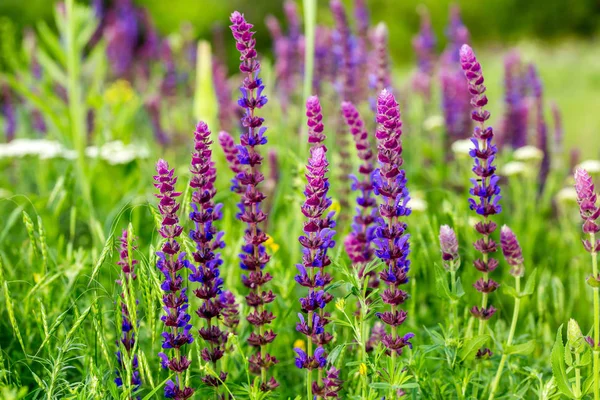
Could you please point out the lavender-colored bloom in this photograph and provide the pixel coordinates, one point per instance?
(449, 247)
(456, 104)
(38, 123)
(316, 241)
(152, 107)
(121, 32)
(558, 129)
(424, 46)
(168, 84)
(9, 114)
(516, 107)
(512, 251)
(391, 239)
(290, 9)
(485, 190)
(206, 258)
(325, 65)
(346, 45)
(332, 384)
(361, 55)
(587, 199)
(254, 256)
(127, 339)
(231, 155)
(170, 262)
(536, 89)
(227, 110)
(358, 242)
(230, 311)
(380, 68)
(457, 34)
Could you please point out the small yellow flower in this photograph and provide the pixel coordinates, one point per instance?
(299, 343)
(340, 304)
(119, 92)
(335, 206)
(271, 245)
(362, 369)
(36, 277)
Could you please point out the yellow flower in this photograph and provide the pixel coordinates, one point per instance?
(340, 304)
(299, 343)
(335, 206)
(362, 369)
(271, 245)
(36, 277)
(119, 92)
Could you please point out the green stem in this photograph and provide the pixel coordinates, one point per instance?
(309, 346)
(511, 334)
(577, 374)
(453, 308)
(596, 319)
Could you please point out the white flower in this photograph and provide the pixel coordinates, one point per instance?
(514, 168)
(528, 153)
(462, 147)
(434, 122)
(116, 152)
(42, 148)
(591, 166)
(417, 204)
(567, 195)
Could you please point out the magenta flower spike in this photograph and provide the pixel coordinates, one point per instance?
(391, 240)
(358, 243)
(170, 262)
(485, 190)
(253, 256)
(316, 240)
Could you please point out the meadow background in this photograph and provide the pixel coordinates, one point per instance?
(61, 217)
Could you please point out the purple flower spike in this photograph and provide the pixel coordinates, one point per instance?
(170, 262)
(227, 108)
(485, 186)
(127, 339)
(512, 251)
(517, 109)
(456, 103)
(254, 256)
(391, 239)
(316, 241)
(449, 246)
(536, 88)
(206, 258)
(9, 114)
(324, 61)
(587, 199)
(358, 242)
(424, 46)
(457, 34)
(380, 68)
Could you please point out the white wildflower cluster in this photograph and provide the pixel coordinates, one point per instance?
(115, 152)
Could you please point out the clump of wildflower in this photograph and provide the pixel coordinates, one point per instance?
(391, 239)
(170, 262)
(485, 190)
(253, 256)
(455, 104)
(127, 339)
(226, 106)
(231, 155)
(588, 209)
(316, 241)
(324, 62)
(206, 258)
(540, 123)
(358, 242)
(457, 34)
(380, 64)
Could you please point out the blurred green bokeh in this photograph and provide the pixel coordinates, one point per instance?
(488, 20)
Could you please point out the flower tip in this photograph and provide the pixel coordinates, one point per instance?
(466, 51)
(381, 30)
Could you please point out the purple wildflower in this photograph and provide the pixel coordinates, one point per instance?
(227, 112)
(153, 109)
(346, 45)
(230, 312)
(324, 62)
(456, 103)
(254, 256)
(485, 187)
(589, 211)
(290, 9)
(361, 55)
(121, 32)
(9, 114)
(558, 129)
(457, 34)
(424, 45)
(391, 239)
(449, 246)
(168, 84)
(380, 68)
(127, 339)
(541, 128)
(170, 262)
(517, 110)
(316, 241)
(512, 251)
(358, 242)
(207, 259)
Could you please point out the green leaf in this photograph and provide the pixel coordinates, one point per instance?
(530, 284)
(510, 291)
(152, 393)
(441, 283)
(593, 282)
(558, 365)
(523, 348)
(335, 353)
(471, 345)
